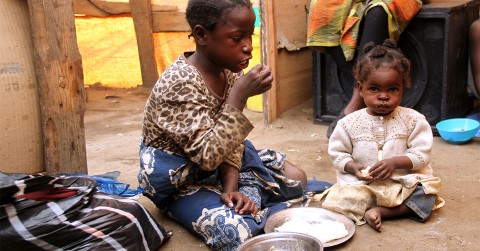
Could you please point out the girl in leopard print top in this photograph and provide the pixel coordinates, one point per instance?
(195, 161)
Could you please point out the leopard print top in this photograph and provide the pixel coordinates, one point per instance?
(183, 117)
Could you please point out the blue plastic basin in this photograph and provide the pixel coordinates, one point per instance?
(458, 130)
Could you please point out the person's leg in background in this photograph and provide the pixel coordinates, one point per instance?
(374, 28)
(475, 54)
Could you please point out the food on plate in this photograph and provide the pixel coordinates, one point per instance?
(323, 229)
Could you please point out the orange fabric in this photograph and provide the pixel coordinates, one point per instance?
(347, 37)
(404, 10)
(337, 22)
(322, 17)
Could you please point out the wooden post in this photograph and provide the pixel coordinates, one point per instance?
(142, 21)
(269, 57)
(59, 73)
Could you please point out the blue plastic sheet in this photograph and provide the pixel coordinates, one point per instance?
(108, 183)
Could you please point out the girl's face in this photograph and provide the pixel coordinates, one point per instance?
(229, 45)
(382, 91)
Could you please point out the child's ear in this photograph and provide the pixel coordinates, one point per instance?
(200, 34)
(360, 88)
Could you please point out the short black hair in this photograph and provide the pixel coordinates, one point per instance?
(208, 12)
(386, 54)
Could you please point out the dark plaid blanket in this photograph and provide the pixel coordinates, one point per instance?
(41, 212)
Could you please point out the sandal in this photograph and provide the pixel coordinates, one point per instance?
(332, 125)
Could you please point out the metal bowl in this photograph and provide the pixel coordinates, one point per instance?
(279, 241)
(310, 213)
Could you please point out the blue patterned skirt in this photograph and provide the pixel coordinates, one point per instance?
(191, 196)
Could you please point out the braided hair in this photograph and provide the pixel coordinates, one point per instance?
(386, 54)
(208, 12)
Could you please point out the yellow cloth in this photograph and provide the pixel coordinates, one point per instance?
(336, 22)
(354, 199)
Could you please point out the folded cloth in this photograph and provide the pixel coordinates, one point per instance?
(354, 199)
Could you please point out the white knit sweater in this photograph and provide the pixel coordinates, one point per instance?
(359, 136)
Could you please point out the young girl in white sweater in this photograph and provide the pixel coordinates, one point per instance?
(382, 152)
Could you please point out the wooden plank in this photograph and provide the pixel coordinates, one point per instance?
(269, 57)
(161, 7)
(285, 27)
(142, 21)
(105, 8)
(85, 7)
(60, 80)
(169, 21)
(291, 23)
(295, 78)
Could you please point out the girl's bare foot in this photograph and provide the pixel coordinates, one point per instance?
(374, 218)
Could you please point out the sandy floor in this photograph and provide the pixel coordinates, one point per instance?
(113, 123)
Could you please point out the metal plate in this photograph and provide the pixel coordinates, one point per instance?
(279, 218)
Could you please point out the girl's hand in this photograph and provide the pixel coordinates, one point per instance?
(356, 169)
(231, 195)
(383, 169)
(258, 80)
(244, 204)
(362, 173)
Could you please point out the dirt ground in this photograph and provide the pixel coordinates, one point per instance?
(112, 127)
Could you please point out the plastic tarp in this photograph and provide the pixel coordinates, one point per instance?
(40, 212)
